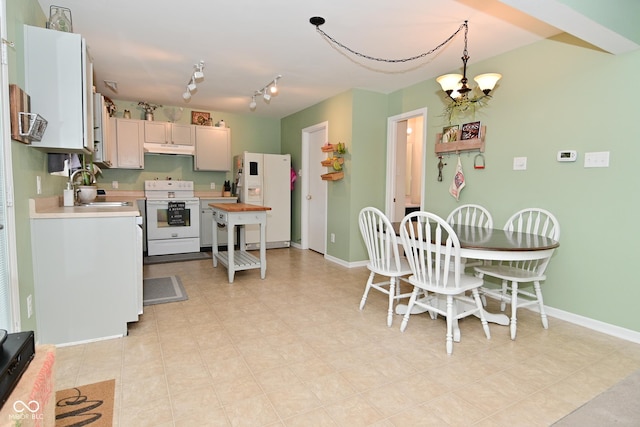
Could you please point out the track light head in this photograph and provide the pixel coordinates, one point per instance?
(252, 104)
(186, 95)
(192, 86)
(266, 96)
(199, 74)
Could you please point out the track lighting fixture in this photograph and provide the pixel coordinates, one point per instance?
(198, 74)
(268, 91)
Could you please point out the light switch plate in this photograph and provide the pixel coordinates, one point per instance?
(519, 163)
(598, 159)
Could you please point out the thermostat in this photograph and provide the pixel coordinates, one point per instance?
(567, 156)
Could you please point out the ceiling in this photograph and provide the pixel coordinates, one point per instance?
(150, 47)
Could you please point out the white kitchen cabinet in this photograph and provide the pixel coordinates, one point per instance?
(127, 140)
(213, 149)
(168, 133)
(87, 277)
(102, 151)
(206, 222)
(59, 80)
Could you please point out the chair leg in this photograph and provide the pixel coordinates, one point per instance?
(392, 293)
(514, 309)
(485, 325)
(483, 297)
(449, 324)
(543, 314)
(503, 302)
(366, 290)
(412, 301)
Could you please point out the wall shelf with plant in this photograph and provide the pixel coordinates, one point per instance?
(334, 160)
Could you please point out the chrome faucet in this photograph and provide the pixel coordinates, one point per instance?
(88, 171)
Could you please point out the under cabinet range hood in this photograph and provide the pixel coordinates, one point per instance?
(185, 150)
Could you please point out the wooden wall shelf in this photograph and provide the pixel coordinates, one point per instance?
(461, 145)
(333, 176)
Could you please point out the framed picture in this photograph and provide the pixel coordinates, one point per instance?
(450, 133)
(200, 118)
(470, 131)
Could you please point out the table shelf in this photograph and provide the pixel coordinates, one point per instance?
(242, 260)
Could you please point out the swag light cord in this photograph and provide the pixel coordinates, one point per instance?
(317, 21)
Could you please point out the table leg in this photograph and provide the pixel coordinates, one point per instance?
(230, 250)
(214, 245)
(263, 250)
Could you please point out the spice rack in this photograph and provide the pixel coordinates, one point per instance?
(331, 160)
(461, 145)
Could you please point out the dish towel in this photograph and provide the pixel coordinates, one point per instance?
(458, 181)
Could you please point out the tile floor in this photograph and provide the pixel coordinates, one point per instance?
(295, 350)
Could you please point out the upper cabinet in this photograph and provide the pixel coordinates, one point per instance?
(127, 141)
(102, 152)
(167, 133)
(213, 149)
(59, 80)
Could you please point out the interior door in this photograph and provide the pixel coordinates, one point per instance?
(316, 196)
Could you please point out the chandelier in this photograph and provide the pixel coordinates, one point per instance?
(454, 85)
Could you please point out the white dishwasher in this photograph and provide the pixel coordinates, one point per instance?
(206, 221)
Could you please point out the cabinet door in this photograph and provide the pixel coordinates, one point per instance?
(129, 137)
(155, 132)
(182, 134)
(58, 78)
(213, 149)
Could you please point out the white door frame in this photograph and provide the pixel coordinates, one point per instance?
(304, 188)
(7, 181)
(392, 135)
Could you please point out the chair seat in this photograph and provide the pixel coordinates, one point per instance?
(404, 269)
(467, 282)
(511, 274)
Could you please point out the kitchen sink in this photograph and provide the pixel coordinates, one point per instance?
(106, 204)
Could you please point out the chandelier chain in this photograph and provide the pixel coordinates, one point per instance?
(412, 58)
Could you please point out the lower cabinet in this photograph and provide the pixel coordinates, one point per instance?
(87, 277)
(206, 222)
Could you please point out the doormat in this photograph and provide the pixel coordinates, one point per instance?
(161, 259)
(87, 405)
(161, 290)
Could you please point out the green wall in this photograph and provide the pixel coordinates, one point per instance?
(556, 94)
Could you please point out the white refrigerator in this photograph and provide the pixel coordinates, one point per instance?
(265, 180)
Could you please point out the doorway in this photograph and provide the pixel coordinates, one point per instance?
(314, 189)
(406, 163)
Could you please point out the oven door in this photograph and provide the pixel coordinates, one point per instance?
(173, 219)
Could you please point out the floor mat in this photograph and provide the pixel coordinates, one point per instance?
(86, 405)
(160, 290)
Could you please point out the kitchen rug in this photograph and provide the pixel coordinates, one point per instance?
(161, 259)
(87, 405)
(160, 290)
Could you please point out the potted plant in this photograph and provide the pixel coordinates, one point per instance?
(84, 180)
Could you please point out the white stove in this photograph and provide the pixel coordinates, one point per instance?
(173, 217)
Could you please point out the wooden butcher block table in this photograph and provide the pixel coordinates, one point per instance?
(239, 214)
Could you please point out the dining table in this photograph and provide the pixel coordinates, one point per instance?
(492, 244)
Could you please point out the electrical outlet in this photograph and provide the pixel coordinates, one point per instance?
(519, 163)
(333, 238)
(38, 184)
(29, 306)
(114, 184)
(213, 185)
